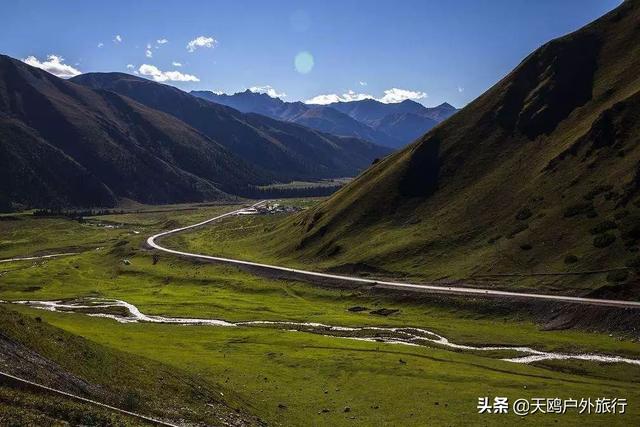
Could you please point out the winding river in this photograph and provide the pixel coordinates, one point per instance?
(124, 312)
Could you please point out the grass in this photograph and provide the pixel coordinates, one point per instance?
(23, 407)
(106, 374)
(24, 235)
(290, 378)
(308, 184)
(308, 373)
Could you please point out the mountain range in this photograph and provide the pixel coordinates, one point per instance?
(541, 173)
(389, 124)
(62, 144)
(285, 151)
(102, 137)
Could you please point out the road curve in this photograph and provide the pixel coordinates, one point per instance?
(451, 290)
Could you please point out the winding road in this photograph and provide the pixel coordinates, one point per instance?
(381, 284)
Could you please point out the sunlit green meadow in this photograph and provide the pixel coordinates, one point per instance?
(296, 378)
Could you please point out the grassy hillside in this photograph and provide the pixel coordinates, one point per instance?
(539, 174)
(20, 407)
(284, 151)
(35, 350)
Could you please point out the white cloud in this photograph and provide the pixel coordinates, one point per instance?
(268, 90)
(148, 53)
(176, 64)
(117, 38)
(361, 83)
(130, 67)
(162, 76)
(201, 41)
(394, 95)
(100, 44)
(460, 89)
(391, 96)
(162, 41)
(54, 64)
(333, 97)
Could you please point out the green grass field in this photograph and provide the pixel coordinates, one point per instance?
(297, 378)
(308, 184)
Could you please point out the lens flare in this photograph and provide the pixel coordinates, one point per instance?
(303, 62)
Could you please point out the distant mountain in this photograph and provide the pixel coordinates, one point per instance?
(62, 144)
(440, 112)
(370, 111)
(539, 174)
(284, 151)
(252, 102)
(361, 119)
(322, 118)
(404, 126)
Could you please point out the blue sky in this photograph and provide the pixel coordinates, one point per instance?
(434, 51)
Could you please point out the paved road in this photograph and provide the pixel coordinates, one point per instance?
(451, 290)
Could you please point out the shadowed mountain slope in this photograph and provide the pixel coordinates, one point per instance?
(65, 145)
(284, 151)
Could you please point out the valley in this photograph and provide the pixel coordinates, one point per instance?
(309, 371)
(183, 244)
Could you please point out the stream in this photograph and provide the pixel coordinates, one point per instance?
(124, 312)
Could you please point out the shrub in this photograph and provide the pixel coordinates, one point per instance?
(586, 208)
(570, 259)
(526, 247)
(603, 227)
(131, 400)
(604, 240)
(617, 276)
(612, 195)
(598, 190)
(494, 239)
(524, 213)
(518, 229)
(621, 214)
(634, 263)
(631, 228)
